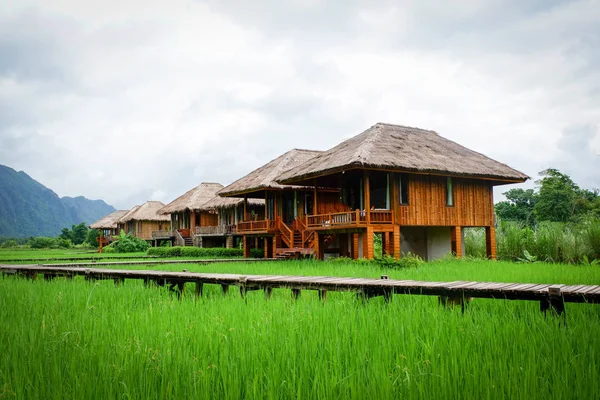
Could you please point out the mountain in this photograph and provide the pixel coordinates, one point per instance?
(28, 208)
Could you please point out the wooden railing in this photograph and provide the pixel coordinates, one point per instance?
(185, 232)
(355, 217)
(161, 234)
(287, 235)
(216, 230)
(178, 238)
(308, 235)
(256, 226)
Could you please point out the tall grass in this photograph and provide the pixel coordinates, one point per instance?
(549, 241)
(77, 339)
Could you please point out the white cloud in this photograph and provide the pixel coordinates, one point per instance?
(135, 100)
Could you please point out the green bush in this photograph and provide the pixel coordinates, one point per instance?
(9, 244)
(129, 244)
(64, 243)
(201, 252)
(42, 242)
(257, 253)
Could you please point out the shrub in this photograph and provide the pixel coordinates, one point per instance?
(42, 242)
(64, 243)
(257, 253)
(9, 244)
(129, 244)
(204, 252)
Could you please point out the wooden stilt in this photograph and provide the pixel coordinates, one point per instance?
(295, 294)
(268, 292)
(323, 295)
(199, 289)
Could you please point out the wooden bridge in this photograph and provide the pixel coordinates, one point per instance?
(549, 295)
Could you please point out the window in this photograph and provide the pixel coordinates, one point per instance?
(403, 189)
(449, 192)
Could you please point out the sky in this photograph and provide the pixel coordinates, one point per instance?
(129, 101)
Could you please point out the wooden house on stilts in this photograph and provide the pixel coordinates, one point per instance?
(107, 227)
(187, 215)
(142, 220)
(415, 188)
(281, 229)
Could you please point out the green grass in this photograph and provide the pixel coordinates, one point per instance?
(77, 339)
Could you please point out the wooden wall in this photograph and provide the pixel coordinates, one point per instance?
(473, 202)
(329, 202)
(148, 226)
(209, 219)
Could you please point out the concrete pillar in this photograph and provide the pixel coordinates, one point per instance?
(490, 242)
(456, 241)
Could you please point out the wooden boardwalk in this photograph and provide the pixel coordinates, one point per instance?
(550, 295)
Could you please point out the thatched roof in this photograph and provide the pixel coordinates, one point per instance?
(230, 202)
(193, 199)
(110, 221)
(394, 147)
(146, 212)
(264, 177)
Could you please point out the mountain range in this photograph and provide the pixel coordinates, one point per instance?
(28, 208)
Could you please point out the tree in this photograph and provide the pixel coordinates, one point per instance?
(519, 206)
(80, 233)
(92, 237)
(66, 234)
(556, 197)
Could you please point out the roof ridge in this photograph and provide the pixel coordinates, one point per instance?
(406, 126)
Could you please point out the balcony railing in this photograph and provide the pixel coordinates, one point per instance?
(350, 218)
(266, 225)
(216, 230)
(161, 234)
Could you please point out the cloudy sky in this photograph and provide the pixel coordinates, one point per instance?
(129, 101)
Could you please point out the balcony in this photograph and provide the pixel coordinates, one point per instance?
(216, 230)
(350, 219)
(264, 226)
(161, 234)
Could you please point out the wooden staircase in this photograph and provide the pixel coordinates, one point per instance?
(188, 241)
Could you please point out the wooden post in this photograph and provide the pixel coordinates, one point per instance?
(295, 294)
(225, 289)
(367, 194)
(490, 242)
(385, 243)
(355, 246)
(268, 292)
(317, 246)
(245, 207)
(395, 242)
(456, 241)
(368, 250)
(323, 295)
(199, 289)
(246, 246)
(315, 209)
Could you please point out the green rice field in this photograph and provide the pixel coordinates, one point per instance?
(78, 339)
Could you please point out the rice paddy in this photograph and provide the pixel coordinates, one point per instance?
(77, 339)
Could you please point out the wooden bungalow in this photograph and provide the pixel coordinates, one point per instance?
(187, 216)
(412, 186)
(280, 228)
(142, 220)
(107, 227)
(229, 211)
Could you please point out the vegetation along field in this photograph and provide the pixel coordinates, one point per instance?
(77, 339)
